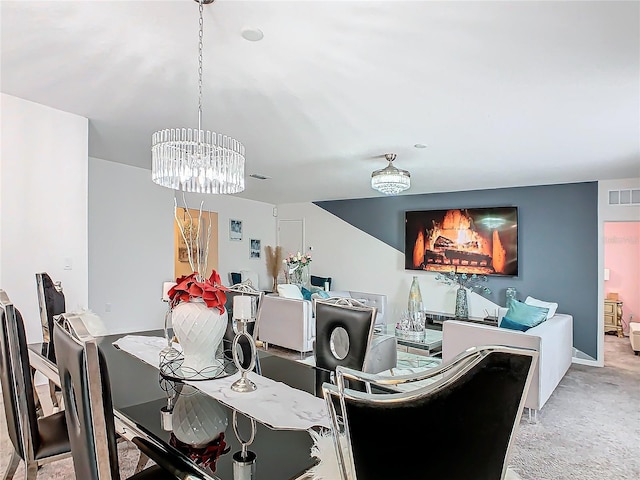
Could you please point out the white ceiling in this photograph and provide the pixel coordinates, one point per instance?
(502, 93)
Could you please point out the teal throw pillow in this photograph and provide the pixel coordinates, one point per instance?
(511, 325)
(527, 315)
(306, 294)
(323, 294)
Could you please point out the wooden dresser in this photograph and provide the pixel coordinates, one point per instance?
(613, 316)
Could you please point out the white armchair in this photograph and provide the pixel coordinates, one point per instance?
(287, 322)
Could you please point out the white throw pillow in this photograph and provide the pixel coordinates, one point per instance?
(552, 306)
(288, 290)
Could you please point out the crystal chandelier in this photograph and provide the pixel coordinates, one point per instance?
(199, 160)
(390, 180)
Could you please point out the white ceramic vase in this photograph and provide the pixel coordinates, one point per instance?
(199, 330)
(197, 418)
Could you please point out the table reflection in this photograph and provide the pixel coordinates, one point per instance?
(197, 423)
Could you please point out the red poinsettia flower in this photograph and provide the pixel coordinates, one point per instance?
(206, 455)
(210, 290)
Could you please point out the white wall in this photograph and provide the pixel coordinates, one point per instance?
(617, 213)
(43, 201)
(358, 261)
(258, 223)
(131, 242)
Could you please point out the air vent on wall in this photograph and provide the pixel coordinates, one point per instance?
(624, 197)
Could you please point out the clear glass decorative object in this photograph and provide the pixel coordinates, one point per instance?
(300, 276)
(511, 294)
(411, 325)
(415, 297)
(462, 307)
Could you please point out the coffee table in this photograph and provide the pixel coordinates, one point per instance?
(428, 344)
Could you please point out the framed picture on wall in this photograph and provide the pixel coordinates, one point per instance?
(254, 249)
(235, 229)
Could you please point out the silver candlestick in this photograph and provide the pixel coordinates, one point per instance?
(243, 314)
(244, 461)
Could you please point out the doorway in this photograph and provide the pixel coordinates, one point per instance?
(204, 251)
(621, 286)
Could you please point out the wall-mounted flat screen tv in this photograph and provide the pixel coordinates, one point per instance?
(464, 240)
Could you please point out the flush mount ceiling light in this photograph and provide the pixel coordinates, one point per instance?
(390, 180)
(196, 160)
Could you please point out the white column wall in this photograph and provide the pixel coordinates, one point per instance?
(131, 242)
(360, 262)
(43, 201)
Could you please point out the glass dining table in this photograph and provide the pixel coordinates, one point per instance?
(141, 397)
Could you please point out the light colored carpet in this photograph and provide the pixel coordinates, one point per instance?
(589, 429)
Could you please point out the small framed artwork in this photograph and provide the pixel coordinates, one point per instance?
(254, 251)
(235, 229)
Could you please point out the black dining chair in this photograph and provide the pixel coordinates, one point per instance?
(471, 405)
(320, 281)
(89, 412)
(51, 302)
(344, 331)
(235, 278)
(230, 333)
(36, 441)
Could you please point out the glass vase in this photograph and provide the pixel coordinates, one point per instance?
(511, 294)
(462, 307)
(300, 277)
(415, 297)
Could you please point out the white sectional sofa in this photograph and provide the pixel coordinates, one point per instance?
(553, 339)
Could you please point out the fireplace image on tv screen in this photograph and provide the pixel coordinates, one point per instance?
(472, 240)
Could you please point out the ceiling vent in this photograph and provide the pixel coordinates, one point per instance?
(624, 197)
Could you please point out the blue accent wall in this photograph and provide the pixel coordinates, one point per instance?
(557, 242)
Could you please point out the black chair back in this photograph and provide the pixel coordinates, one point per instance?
(344, 329)
(235, 278)
(87, 396)
(320, 281)
(51, 302)
(472, 412)
(17, 385)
